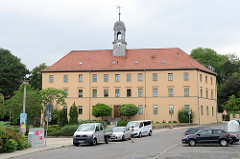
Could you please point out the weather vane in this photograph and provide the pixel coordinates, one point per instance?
(119, 11)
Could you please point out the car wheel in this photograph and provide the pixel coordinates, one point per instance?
(123, 138)
(94, 142)
(150, 133)
(192, 142)
(76, 144)
(140, 135)
(223, 142)
(106, 140)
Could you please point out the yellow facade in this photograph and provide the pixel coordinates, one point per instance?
(202, 92)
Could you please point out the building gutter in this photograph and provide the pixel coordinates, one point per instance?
(198, 99)
(89, 96)
(145, 115)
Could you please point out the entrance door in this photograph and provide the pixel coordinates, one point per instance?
(116, 112)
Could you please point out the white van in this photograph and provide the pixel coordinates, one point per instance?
(141, 127)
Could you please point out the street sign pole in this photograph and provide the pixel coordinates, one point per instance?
(189, 113)
(48, 118)
(171, 118)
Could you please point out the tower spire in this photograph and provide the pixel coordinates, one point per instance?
(119, 11)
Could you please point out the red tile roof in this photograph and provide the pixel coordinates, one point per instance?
(135, 59)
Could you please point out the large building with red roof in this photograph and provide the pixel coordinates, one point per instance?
(155, 80)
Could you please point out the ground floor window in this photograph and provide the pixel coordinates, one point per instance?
(155, 109)
(79, 110)
(186, 107)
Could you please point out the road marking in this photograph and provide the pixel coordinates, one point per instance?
(166, 150)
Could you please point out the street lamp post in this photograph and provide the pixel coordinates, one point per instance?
(24, 96)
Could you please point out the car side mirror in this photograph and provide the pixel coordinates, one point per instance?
(198, 134)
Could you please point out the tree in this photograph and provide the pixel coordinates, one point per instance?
(101, 110)
(52, 95)
(73, 114)
(3, 110)
(33, 105)
(63, 120)
(35, 78)
(233, 104)
(12, 73)
(128, 110)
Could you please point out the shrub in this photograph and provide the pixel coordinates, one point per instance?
(22, 143)
(128, 110)
(183, 116)
(67, 130)
(10, 145)
(63, 120)
(73, 113)
(101, 110)
(174, 121)
(52, 128)
(163, 121)
(122, 123)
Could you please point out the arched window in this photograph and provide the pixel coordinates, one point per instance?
(119, 36)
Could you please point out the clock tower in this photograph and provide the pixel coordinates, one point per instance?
(119, 44)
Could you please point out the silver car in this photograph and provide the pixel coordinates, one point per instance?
(120, 133)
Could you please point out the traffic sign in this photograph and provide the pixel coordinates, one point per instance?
(225, 112)
(48, 118)
(49, 108)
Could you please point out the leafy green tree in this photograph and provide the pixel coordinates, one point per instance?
(12, 73)
(233, 104)
(128, 110)
(52, 95)
(3, 110)
(183, 116)
(33, 105)
(101, 110)
(55, 114)
(63, 120)
(35, 78)
(73, 114)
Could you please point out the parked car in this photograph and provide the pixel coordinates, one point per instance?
(120, 133)
(142, 127)
(92, 133)
(234, 138)
(193, 130)
(207, 136)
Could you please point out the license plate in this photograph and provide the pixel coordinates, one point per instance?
(80, 141)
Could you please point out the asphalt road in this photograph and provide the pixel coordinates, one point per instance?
(164, 143)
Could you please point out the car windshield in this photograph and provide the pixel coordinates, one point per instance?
(192, 130)
(134, 124)
(118, 129)
(86, 128)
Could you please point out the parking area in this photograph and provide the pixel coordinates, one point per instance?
(202, 151)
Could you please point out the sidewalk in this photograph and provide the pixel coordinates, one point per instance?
(52, 143)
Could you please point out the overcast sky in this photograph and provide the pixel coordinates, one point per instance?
(39, 31)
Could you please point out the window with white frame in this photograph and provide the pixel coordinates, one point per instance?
(51, 78)
(66, 91)
(128, 77)
(105, 77)
(170, 77)
(80, 111)
(186, 107)
(117, 76)
(155, 76)
(170, 92)
(65, 77)
(105, 92)
(140, 92)
(94, 78)
(94, 95)
(80, 93)
(140, 109)
(155, 92)
(155, 109)
(80, 78)
(139, 77)
(185, 76)
(117, 93)
(186, 92)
